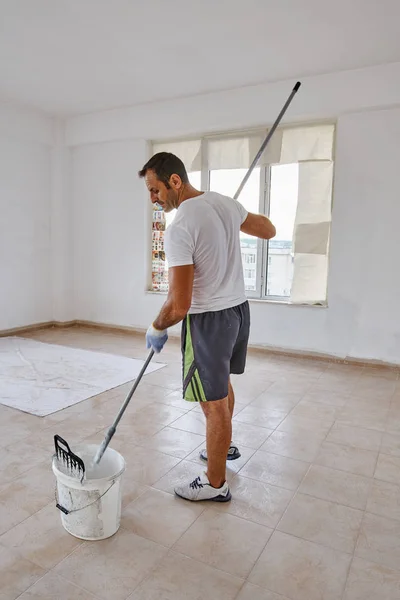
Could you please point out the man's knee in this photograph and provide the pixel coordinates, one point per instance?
(216, 407)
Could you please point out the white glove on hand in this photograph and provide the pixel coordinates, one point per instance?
(156, 339)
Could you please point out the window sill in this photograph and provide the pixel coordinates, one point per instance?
(286, 302)
(262, 301)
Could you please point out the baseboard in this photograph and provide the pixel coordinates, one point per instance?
(275, 351)
(26, 329)
(331, 358)
(36, 327)
(114, 328)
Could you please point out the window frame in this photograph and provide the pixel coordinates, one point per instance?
(261, 291)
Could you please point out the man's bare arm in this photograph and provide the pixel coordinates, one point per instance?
(258, 226)
(179, 297)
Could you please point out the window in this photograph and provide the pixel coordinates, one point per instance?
(292, 184)
(248, 258)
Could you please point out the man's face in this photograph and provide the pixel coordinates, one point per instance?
(168, 199)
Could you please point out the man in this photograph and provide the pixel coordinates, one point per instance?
(207, 293)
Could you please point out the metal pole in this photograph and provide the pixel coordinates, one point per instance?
(265, 142)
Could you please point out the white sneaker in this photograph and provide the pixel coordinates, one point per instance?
(201, 489)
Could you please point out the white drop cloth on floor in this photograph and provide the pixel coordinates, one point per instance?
(41, 378)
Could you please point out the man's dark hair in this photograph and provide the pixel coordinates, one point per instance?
(165, 164)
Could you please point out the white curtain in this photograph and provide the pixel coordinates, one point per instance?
(312, 148)
(307, 143)
(189, 151)
(239, 152)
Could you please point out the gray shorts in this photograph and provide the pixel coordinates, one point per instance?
(214, 345)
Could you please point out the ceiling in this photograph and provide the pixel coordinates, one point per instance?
(76, 56)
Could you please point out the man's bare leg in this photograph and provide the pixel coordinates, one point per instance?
(219, 433)
(231, 398)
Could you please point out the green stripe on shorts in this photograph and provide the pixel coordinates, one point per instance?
(194, 390)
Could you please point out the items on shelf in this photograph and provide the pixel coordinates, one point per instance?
(159, 269)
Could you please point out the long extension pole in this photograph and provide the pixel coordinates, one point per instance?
(266, 141)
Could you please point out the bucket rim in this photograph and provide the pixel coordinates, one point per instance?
(117, 475)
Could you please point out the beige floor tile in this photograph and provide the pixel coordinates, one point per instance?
(146, 466)
(369, 581)
(384, 500)
(136, 432)
(366, 404)
(131, 490)
(315, 410)
(160, 517)
(379, 541)
(194, 422)
(322, 522)
(391, 444)
(249, 387)
(53, 587)
(41, 538)
(25, 496)
(224, 542)
(232, 466)
(175, 398)
(301, 445)
(355, 437)
(333, 388)
(337, 486)
(291, 383)
(175, 442)
(19, 458)
(250, 436)
(301, 570)
(293, 424)
(156, 412)
(254, 592)
(347, 458)
(382, 373)
(170, 377)
(15, 431)
(325, 396)
(363, 417)
(375, 388)
(256, 501)
(8, 415)
(284, 401)
(275, 470)
(388, 468)
(99, 436)
(73, 430)
(268, 418)
(180, 578)
(112, 568)
(393, 421)
(146, 391)
(16, 574)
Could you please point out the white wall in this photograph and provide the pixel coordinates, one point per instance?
(25, 202)
(110, 210)
(110, 226)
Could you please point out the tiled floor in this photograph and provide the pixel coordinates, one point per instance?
(315, 513)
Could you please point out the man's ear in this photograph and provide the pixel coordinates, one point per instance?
(175, 182)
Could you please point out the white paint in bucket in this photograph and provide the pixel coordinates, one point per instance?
(94, 506)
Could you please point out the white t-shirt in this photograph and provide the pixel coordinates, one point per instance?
(205, 232)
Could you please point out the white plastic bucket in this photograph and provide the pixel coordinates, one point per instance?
(91, 510)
